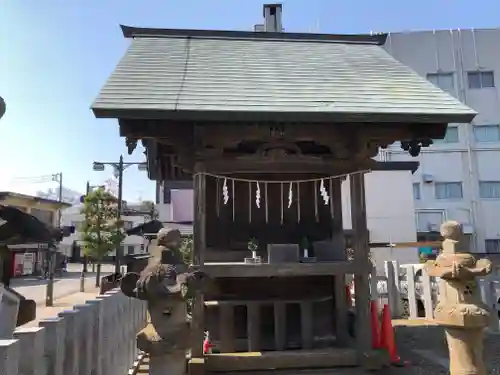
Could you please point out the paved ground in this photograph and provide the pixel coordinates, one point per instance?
(66, 290)
(35, 288)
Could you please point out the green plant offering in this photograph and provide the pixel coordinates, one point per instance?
(253, 244)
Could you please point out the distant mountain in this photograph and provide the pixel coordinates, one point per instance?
(68, 195)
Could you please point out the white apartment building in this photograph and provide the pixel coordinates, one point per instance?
(131, 244)
(459, 177)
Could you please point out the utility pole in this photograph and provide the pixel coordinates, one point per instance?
(84, 257)
(52, 251)
(118, 169)
(99, 260)
(119, 247)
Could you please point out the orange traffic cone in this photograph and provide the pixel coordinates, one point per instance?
(376, 338)
(388, 340)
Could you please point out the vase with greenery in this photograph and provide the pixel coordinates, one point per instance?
(253, 246)
(304, 246)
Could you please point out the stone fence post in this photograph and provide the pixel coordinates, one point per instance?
(94, 338)
(9, 308)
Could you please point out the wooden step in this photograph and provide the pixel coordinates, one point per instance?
(296, 359)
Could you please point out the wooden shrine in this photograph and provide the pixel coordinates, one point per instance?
(268, 125)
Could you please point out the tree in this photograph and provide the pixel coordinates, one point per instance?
(101, 231)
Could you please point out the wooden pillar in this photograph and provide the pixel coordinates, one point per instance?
(199, 245)
(280, 325)
(306, 324)
(361, 260)
(338, 239)
(226, 327)
(253, 326)
(337, 223)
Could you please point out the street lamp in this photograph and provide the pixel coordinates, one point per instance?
(119, 167)
(3, 107)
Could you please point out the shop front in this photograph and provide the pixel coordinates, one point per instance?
(28, 259)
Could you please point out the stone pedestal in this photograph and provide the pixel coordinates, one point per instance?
(466, 351)
(460, 309)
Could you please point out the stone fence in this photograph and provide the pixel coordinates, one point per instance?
(412, 293)
(94, 338)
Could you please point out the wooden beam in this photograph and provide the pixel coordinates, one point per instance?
(361, 253)
(217, 270)
(338, 237)
(199, 246)
(293, 165)
(341, 309)
(288, 359)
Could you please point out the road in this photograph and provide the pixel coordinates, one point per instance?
(35, 288)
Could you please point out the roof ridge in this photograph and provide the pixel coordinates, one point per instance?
(142, 32)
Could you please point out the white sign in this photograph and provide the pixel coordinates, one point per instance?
(28, 263)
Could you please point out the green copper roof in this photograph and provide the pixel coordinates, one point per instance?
(176, 73)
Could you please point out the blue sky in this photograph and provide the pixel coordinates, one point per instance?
(56, 54)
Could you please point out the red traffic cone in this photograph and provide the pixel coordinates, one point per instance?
(376, 338)
(388, 340)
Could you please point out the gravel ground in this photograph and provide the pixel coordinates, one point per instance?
(412, 340)
(431, 339)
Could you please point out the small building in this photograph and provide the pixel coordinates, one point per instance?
(28, 257)
(268, 125)
(71, 247)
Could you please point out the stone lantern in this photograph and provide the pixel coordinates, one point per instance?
(460, 309)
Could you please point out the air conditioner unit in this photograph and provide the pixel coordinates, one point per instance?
(467, 228)
(428, 178)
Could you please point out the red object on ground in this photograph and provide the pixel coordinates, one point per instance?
(376, 338)
(388, 340)
(207, 346)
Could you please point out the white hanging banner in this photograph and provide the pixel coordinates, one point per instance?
(323, 192)
(225, 192)
(257, 195)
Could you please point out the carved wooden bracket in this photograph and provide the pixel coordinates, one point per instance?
(131, 144)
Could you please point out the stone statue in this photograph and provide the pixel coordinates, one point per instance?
(166, 283)
(460, 309)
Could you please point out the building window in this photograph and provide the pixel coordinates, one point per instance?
(486, 133)
(451, 136)
(492, 246)
(416, 191)
(130, 249)
(448, 190)
(481, 80)
(445, 81)
(489, 189)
